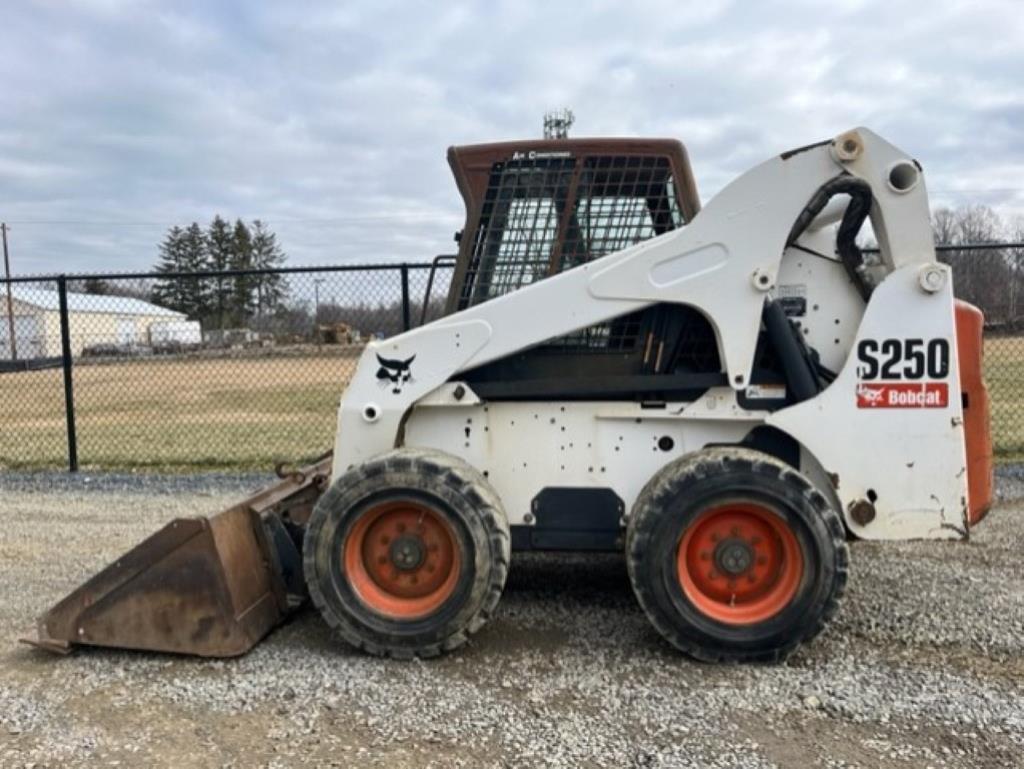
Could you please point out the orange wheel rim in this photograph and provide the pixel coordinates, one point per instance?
(739, 563)
(402, 559)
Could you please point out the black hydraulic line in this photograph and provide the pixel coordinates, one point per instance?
(793, 355)
(846, 239)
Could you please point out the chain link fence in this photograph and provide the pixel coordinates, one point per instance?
(193, 371)
(992, 278)
(235, 370)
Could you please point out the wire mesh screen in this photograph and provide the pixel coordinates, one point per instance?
(229, 371)
(542, 215)
(518, 224)
(620, 202)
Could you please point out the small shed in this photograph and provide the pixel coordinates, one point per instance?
(93, 319)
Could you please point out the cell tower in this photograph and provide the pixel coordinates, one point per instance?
(557, 123)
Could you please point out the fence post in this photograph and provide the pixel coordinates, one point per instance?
(406, 311)
(69, 393)
(10, 300)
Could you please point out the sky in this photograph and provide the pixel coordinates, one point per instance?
(330, 121)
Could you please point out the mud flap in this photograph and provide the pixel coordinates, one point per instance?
(212, 587)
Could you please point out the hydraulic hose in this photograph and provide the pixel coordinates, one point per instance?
(846, 239)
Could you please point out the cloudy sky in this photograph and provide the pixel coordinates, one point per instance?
(331, 120)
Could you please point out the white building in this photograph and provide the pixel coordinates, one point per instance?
(93, 320)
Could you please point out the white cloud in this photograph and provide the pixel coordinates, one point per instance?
(331, 122)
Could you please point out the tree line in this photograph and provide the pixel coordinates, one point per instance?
(991, 279)
(224, 301)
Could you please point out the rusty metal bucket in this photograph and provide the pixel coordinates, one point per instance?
(212, 587)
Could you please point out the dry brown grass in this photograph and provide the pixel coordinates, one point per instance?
(1004, 375)
(236, 412)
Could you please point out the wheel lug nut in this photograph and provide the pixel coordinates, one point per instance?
(715, 536)
(382, 559)
(705, 555)
(735, 531)
(385, 539)
(712, 575)
(761, 560)
(751, 578)
(755, 541)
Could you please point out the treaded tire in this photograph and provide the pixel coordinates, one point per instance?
(676, 498)
(457, 492)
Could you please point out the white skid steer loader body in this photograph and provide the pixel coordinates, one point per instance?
(888, 432)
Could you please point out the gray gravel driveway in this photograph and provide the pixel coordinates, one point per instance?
(924, 665)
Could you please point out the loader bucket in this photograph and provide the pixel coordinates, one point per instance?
(213, 587)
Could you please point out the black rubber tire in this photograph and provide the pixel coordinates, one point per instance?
(475, 514)
(673, 499)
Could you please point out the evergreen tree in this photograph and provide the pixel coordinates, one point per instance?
(243, 297)
(271, 290)
(220, 246)
(222, 301)
(95, 286)
(171, 292)
(182, 250)
(195, 258)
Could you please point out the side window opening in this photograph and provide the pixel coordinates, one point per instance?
(523, 252)
(518, 230)
(610, 223)
(544, 215)
(620, 201)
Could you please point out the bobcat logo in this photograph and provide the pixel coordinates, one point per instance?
(394, 373)
(869, 396)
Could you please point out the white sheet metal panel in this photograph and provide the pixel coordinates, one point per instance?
(882, 438)
(526, 447)
(832, 306)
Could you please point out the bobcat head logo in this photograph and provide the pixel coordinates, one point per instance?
(394, 373)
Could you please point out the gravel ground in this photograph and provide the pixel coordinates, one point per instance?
(924, 666)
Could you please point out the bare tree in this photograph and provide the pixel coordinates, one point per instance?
(1015, 262)
(985, 277)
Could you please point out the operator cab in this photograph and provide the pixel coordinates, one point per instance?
(535, 208)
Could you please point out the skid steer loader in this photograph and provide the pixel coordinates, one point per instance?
(726, 395)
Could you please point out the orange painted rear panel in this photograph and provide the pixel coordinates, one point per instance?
(977, 427)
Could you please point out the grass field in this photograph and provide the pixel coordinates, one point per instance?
(244, 413)
(177, 414)
(1004, 375)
